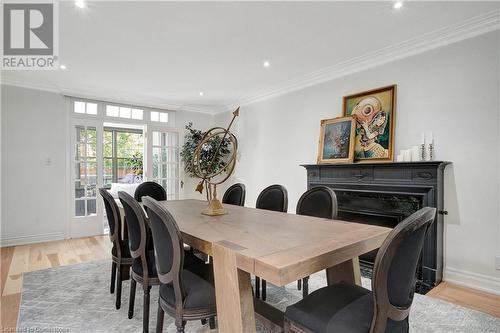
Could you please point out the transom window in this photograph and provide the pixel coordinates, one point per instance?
(161, 117)
(124, 112)
(85, 108)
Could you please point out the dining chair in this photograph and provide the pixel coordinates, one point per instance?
(183, 295)
(143, 264)
(120, 253)
(235, 195)
(319, 201)
(344, 307)
(274, 197)
(152, 189)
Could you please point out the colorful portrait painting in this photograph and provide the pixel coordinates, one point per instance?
(374, 113)
(336, 141)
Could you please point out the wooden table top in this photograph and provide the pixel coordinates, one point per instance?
(278, 247)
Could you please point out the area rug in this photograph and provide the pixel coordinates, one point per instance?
(76, 299)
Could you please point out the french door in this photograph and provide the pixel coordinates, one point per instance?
(163, 159)
(86, 178)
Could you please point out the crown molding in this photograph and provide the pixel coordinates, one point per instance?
(469, 28)
(141, 101)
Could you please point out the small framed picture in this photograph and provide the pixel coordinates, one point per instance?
(336, 140)
(374, 111)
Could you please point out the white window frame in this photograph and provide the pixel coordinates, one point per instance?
(98, 122)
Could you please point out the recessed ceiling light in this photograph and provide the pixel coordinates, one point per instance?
(398, 5)
(266, 64)
(80, 3)
(201, 93)
(62, 66)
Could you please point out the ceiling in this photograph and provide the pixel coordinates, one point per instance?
(166, 53)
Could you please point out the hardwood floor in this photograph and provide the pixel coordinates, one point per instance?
(26, 258)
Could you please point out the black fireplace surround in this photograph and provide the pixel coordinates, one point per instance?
(385, 194)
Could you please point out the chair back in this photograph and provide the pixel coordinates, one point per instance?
(235, 195)
(137, 229)
(114, 219)
(393, 281)
(168, 245)
(274, 197)
(319, 201)
(152, 189)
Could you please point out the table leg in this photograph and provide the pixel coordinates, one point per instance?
(233, 290)
(347, 271)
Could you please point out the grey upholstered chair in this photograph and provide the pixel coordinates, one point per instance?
(235, 195)
(319, 201)
(274, 197)
(120, 253)
(152, 189)
(143, 264)
(183, 295)
(345, 307)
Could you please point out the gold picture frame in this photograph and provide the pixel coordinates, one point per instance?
(375, 113)
(336, 140)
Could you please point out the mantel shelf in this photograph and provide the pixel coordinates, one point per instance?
(379, 164)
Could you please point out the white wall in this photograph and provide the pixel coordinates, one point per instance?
(34, 195)
(33, 188)
(452, 91)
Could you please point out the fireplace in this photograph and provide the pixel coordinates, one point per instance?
(385, 194)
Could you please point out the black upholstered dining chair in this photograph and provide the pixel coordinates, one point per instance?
(152, 189)
(183, 295)
(345, 307)
(143, 264)
(274, 197)
(120, 253)
(319, 201)
(235, 195)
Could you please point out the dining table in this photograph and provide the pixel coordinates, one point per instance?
(278, 247)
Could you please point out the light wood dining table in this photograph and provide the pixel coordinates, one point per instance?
(278, 247)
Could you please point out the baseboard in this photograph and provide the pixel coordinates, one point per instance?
(30, 239)
(468, 279)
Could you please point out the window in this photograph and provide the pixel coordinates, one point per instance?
(122, 156)
(124, 112)
(85, 108)
(161, 117)
(165, 162)
(85, 170)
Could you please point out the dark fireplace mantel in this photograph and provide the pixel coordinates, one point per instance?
(385, 194)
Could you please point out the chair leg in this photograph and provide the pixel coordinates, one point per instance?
(180, 326)
(305, 289)
(113, 278)
(119, 287)
(286, 326)
(264, 289)
(203, 321)
(131, 301)
(159, 319)
(299, 284)
(211, 323)
(145, 310)
(257, 287)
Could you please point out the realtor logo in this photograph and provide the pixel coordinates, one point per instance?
(29, 36)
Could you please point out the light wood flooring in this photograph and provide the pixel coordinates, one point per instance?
(26, 258)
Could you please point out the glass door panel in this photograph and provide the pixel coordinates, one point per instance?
(164, 161)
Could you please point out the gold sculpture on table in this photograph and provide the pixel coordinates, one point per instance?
(213, 174)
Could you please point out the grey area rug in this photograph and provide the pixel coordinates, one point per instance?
(76, 299)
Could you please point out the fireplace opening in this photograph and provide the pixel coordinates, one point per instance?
(381, 209)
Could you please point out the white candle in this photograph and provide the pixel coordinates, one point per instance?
(431, 138)
(422, 140)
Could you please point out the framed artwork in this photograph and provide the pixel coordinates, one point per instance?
(336, 140)
(374, 112)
